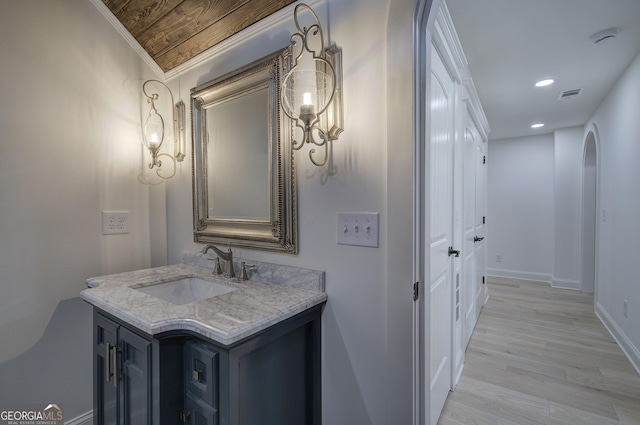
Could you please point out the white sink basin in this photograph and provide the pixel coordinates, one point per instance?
(186, 290)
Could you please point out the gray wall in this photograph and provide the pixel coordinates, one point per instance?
(367, 323)
(520, 208)
(535, 208)
(616, 127)
(567, 185)
(69, 148)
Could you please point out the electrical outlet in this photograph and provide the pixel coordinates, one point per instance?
(359, 229)
(498, 258)
(625, 308)
(115, 222)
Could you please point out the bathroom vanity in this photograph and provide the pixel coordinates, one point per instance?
(167, 351)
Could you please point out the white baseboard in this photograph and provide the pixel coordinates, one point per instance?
(537, 277)
(514, 274)
(629, 350)
(566, 284)
(84, 419)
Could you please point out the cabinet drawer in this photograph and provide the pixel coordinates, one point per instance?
(201, 372)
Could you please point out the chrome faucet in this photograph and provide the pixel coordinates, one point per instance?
(226, 256)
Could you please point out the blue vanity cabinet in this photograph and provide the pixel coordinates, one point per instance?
(181, 377)
(272, 377)
(121, 374)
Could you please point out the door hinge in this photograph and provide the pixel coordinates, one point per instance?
(483, 280)
(484, 219)
(484, 159)
(416, 291)
(184, 416)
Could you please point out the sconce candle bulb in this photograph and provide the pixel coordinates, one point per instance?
(311, 94)
(153, 131)
(306, 98)
(155, 141)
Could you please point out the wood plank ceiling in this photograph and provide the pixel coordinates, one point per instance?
(174, 31)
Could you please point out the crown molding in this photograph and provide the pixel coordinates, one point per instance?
(475, 109)
(128, 38)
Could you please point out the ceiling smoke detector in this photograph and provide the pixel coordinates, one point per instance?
(604, 35)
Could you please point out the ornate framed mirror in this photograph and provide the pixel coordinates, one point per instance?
(244, 189)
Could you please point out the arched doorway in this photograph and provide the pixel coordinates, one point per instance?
(589, 213)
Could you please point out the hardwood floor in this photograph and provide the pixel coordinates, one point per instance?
(539, 355)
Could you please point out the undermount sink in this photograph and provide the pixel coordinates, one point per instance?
(186, 290)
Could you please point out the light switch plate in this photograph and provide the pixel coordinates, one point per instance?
(115, 222)
(360, 229)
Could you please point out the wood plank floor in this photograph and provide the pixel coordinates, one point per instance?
(539, 355)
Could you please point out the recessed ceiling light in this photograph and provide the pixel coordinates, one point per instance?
(544, 83)
(538, 125)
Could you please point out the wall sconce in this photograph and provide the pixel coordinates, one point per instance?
(312, 90)
(153, 131)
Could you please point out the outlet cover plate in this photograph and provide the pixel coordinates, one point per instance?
(115, 222)
(360, 229)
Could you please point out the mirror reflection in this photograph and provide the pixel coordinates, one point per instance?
(239, 152)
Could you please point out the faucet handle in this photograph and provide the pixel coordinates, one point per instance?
(216, 265)
(243, 270)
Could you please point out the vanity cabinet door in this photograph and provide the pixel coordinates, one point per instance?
(121, 375)
(199, 412)
(201, 383)
(134, 355)
(105, 394)
(201, 371)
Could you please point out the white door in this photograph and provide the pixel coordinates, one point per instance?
(469, 227)
(480, 233)
(441, 228)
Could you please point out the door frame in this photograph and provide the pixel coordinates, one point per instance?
(431, 25)
(425, 12)
(593, 133)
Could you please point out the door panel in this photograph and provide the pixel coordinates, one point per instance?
(469, 276)
(135, 384)
(441, 228)
(200, 413)
(480, 228)
(105, 392)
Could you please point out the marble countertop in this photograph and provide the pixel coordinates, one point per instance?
(273, 294)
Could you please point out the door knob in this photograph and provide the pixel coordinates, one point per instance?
(453, 252)
(477, 239)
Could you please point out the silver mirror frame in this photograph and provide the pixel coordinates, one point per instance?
(279, 231)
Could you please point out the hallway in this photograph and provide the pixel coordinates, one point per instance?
(539, 355)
